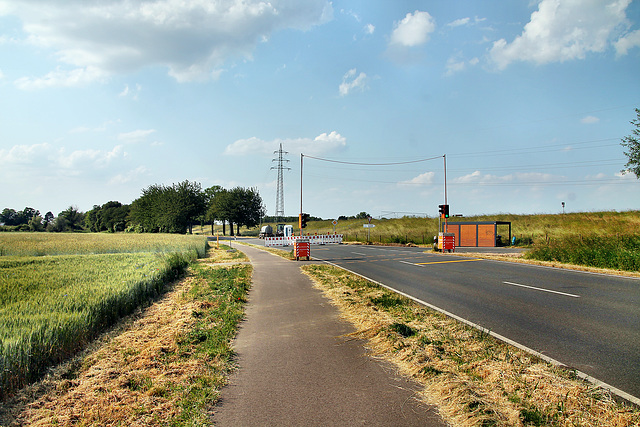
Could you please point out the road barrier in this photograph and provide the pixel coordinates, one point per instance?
(320, 239)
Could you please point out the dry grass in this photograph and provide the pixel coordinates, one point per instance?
(143, 373)
(473, 378)
(555, 264)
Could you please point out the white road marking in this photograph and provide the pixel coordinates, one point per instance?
(542, 356)
(410, 263)
(541, 289)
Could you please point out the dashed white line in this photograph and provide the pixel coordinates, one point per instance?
(541, 289)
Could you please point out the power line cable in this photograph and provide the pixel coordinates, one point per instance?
(372, 164)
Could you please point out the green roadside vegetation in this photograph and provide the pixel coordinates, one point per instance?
(474, 379)
(163, 365)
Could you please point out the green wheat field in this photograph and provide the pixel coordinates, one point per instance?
(59, 291)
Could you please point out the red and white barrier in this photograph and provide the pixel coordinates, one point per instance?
(321, 239)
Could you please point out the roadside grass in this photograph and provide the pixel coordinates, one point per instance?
(474, 379)
(521, 258)
(528, 229)
(617, 252)
(163, 366)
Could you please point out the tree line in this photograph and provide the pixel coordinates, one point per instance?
(159, 209)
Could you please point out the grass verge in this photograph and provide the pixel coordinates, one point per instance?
(162, 366)
(473, 378)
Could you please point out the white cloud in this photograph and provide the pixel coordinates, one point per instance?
(459, 22)
(130, 176)
(46, 157)
(192, 39)
(628, 41)
(369, 29)
(455, 65)
(88, 159)
(25, 154)
(131, 93)
(422, 179)
(135, 136)
(588, 120)
(65, 78)
(563, 30)
(350, 82)
(530, 178)
(323, 143)
(413, 30)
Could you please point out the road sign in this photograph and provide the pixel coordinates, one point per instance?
(334, 222)
(368, 225)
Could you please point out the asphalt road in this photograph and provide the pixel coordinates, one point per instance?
(590, 322)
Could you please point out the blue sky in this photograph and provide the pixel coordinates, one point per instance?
(528, 101)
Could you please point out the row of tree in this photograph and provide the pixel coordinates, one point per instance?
(160, 208)
(30, 219)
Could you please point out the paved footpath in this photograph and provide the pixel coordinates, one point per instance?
(297, 367)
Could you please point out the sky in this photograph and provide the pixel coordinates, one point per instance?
(520, 104)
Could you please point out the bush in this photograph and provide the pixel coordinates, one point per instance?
(620, 252)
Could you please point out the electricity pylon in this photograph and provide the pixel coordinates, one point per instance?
(280, 166)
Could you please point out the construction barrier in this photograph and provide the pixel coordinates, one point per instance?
(321, 239)
(302, 248)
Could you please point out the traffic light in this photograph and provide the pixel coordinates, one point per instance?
(444, 211)
(303, 219)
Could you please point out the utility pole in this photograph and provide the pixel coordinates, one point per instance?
(445, 189)
(301, 163)
(280, 166)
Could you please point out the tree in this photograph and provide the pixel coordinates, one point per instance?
(35, 223)
(192, 202)
(12, 217)
(239, 206)
(212, 213)
(27, 214)
(48, 217)
(9, 217)
(249, 207)
(112, 216)
(632, 143)
(70, 219)
(168, 209)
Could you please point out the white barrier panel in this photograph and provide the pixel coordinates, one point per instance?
(321, 239)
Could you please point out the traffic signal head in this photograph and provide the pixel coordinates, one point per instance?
(444, 211)
(303, 219)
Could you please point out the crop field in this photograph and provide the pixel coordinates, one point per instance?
(39, 244)
(51, 305)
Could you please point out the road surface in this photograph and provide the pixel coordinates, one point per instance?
(590, 322)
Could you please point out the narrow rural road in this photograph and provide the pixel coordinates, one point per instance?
(297, 366)
(590, 322)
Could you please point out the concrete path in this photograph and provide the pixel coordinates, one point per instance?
(296, 367)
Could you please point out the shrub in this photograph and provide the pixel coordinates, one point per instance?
(619, 252)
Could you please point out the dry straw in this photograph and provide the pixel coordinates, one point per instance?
(472, 378)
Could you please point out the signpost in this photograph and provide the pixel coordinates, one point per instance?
(369, 226)
(334, 222)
